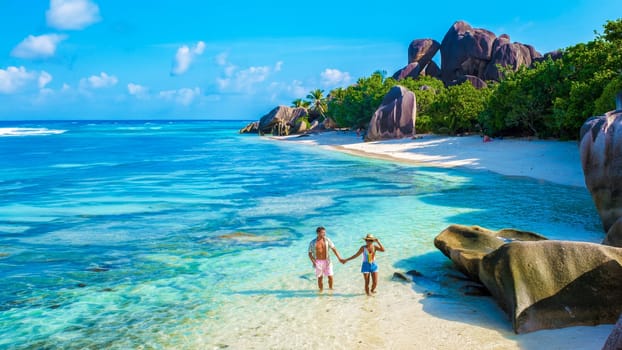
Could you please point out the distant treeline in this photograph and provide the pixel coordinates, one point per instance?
(550, 99)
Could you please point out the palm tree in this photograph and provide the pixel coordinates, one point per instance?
(318, 102)
(300, 103)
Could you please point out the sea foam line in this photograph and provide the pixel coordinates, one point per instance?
(29, 132)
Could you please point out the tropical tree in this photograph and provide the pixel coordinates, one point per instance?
(590, 68)
(317, 102)
(457, 109)
(427, 90)
(300, 103)
(522, 104)
(606, 101)
(354, 106)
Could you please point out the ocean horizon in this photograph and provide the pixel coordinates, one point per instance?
(183, 233)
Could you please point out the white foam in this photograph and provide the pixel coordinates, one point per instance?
(29, 132)
(80, 165)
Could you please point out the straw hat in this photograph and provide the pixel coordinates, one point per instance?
(369, 237)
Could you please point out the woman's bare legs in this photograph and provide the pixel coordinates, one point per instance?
(374, 281)
(366, 276)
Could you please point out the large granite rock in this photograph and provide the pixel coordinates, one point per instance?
(508, 54)
(283, 120)
(465, 51)
(420, 54)
(554, 55)
(411, 70)
(395, 118)
(422, 51)
(601, 158)
(467, 245)
(251, 128)
(541, 284)
(467, 54)
(555, 284)
(614, 341)
(432, 70)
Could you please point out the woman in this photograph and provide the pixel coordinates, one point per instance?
(369, 266)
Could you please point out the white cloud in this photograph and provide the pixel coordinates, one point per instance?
(333, 77)
(221, 59)
(184, 57)
(199, 48)
(230, 69)
(223, 84)
(282, 91)
(136, 89)
(15, 79)
(278, 65)
(72, 14)
(183, 96)
(139, 91)
(243, 80)
(41, 46)
(297, 90)
(44, 79)
(252, 75)
(102, 80)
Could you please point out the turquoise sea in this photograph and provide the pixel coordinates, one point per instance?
(133, 234)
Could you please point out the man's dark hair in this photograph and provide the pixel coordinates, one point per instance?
(319, 228)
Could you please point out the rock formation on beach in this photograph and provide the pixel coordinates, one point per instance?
(467, 245)
(541, 284)
(467, 54)
(282, 120)
(420, 54)
(614, 341)
(395, 118)
(601, 159)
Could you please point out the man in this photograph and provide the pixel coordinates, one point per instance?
(320, 257)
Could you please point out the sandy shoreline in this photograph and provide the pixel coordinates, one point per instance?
(555, 161)
(404, 317)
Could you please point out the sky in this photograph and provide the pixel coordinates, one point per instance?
(237, 60)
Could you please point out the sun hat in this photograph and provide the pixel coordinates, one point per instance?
(369, 237)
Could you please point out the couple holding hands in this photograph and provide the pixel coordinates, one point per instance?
(319, 255)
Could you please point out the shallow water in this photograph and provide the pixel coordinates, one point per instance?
(151, 234)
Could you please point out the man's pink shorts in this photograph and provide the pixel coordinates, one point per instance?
(323, 268)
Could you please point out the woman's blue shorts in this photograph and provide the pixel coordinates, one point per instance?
(369, 267)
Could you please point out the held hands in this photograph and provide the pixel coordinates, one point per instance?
(343, 261)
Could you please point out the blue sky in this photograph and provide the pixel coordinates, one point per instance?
(196, 59)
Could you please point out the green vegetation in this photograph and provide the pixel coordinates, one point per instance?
(317, 102)
(551, 98)
(301, 103)
(355, 105)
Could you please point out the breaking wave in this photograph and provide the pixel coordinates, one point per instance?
(5, 132)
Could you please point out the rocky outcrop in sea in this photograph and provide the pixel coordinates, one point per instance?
(282, 121)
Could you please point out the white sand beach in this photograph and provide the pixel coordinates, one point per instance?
(405, 315)
(554, 161)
